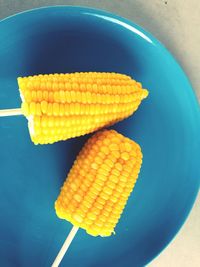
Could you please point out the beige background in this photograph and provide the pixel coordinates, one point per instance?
(176, 23)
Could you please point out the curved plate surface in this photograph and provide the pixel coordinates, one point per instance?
(167, 126)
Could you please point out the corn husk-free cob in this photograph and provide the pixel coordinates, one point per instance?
(99, 183)
(62, 106)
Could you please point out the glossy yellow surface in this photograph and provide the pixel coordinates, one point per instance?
(62, 106)
(99, 183)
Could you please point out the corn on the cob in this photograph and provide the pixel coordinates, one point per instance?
(100, 182)
(62, 106)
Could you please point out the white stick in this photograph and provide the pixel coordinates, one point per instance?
(10, 112)
(65, 246)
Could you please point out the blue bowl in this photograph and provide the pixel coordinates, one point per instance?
(167, 126)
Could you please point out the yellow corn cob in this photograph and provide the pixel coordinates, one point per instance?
(62, 106)
(100, 182)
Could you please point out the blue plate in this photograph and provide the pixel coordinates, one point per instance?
(167, 126)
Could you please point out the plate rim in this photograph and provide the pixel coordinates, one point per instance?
(168, 53)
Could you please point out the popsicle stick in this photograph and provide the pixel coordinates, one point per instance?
(65, 246)
(10, 112)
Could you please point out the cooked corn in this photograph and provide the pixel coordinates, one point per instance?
(99, 183)
(62, 106)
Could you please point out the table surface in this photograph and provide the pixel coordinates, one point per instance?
(176, 24)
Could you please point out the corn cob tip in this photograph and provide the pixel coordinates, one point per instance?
(145, 93)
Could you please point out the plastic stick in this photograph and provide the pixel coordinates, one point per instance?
(10, 112)
(65, 246)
